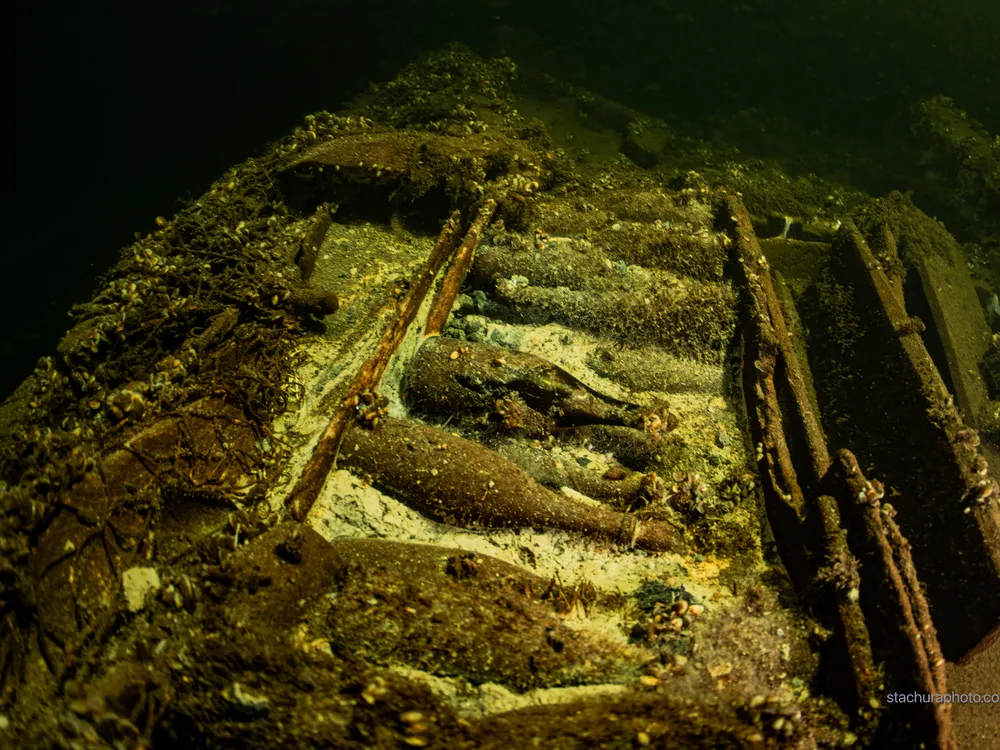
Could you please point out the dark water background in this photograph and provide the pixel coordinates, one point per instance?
(123, 108)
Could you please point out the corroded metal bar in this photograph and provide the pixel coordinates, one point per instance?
(310, 482)
(455, 275)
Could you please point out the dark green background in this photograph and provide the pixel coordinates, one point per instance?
(120, 109)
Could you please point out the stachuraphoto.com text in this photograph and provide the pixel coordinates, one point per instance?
(950, 697)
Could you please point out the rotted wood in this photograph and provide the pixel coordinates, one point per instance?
(464, 483)
(319, 225)
(961, 326)
(835, 599)
(777, 347)
(947, 505)
(884, 245)
(904, 636)
(958, 324)
(310, 482)
(797, 339)
(457, 270)
(770, 364)
(890, 580)
(802, 533)
(867, 617)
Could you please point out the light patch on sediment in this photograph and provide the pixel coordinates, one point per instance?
(138, 583)
(472, 701)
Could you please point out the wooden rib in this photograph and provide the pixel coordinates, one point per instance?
(892, 595)
(787, 364)
(452, 282)
(921, 611)
(854, 635)
(956, 542)
(769, 356)
(761, 348)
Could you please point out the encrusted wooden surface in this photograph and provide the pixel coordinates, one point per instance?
(417, 432)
